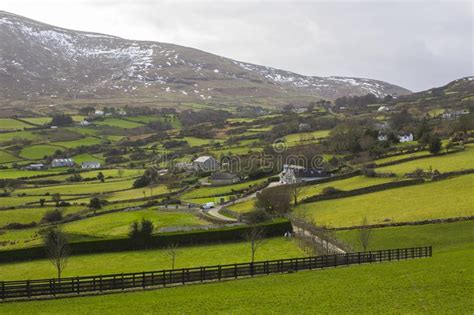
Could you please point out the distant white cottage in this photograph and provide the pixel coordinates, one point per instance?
(84, 123)
(206, 164)
(405, 137)
(62, 163)
(90, 165)
(383, 108)
(99, 112)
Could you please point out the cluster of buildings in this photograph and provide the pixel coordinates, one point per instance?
(63, 163)
(295, 174)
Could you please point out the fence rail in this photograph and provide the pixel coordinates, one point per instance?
(88, 284)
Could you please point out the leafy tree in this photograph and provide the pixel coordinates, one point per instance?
(435, 145)
(56, 198)
(61, 120)
(87, 111)
(274, 200)
(101, 177)
(140, 232)
(95, 204)
(52, 216)
(42, 201)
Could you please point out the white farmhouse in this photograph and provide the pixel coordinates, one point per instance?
(90, 165)
(405, 137)
(206, 164)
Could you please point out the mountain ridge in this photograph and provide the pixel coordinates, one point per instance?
(40, 61)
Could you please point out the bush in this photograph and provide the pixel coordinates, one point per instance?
(330, 191)
(52, 216)
(256, 216)
(140, 233)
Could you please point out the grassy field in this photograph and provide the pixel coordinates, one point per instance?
(222, 190)
(120, 123)
(399, 157)
(344, 184)
(137, 261)
(8, 123)
(6, 157)
(305, 137)
(118, 223)
(86, 157)
(443, 163)
(77, 143)
(194, 142)
(8, 136)
(442, 284)
(448, 198)
(37, 152)
(14, 173)
(243, 207)
(27, 215)
(38, 120)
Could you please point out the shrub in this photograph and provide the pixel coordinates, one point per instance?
(330, 191)
(140, 233)
(52, 216)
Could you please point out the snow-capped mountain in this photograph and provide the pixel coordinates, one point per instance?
(40, 61)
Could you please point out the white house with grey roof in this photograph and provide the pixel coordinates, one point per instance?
(206, 163)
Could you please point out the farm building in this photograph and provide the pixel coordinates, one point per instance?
(223, 178)
(90, 165)
(206, 164)
(294, 174)
(405, 137)
(304, 127)
(383, 108)
(35, 167)
(62, 163)
(84, 123)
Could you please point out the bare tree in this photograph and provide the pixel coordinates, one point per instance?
(364, 233)
(172, 252)
(255, 236)
(295, 190)
(57, 248)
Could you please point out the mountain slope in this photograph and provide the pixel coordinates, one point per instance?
(40, 61)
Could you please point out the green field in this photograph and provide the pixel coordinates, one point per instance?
(13, 173)
(8, 123)
(37, 152)
(77, 143)
(343, 184)
(221, 190)
(444, 163)
(6, 157)
(443, 199)
(244, 206)
(442, 284)
(118, 223)
(137, 261)
(27, 215)
(80, 188)
(120, 123)
(8, 136)
(86, 157)
(400, 157)
(194, 142)
(305, 137)
(38, 120)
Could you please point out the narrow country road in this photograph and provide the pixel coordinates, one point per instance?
(214, 212)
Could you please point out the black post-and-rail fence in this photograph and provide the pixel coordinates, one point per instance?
(95, 284)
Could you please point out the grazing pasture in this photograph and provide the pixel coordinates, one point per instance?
(9, 123)
(87, 141)
(443, 199)
(119, 123)
(441, 284)
(37, 152)
(155, 259)
(444, 163)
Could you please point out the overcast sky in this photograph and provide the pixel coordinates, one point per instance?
(417, 45)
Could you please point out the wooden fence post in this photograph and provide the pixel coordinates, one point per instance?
(3, 290)
(143, 283)
(28, 293)
(235, 271)
(123, 282)
(164, 278)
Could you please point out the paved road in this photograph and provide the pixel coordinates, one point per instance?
(215, 211)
